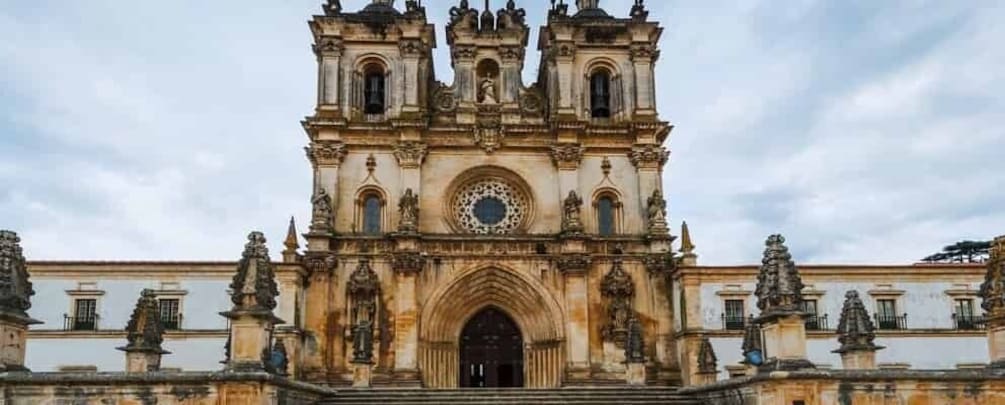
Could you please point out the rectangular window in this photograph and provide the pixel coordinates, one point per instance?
(734, 315)
(169, 313)
(964, 316)
(886, 314)
(85, 314)
(813, 321)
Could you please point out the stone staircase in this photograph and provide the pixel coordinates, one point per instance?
(586, 396)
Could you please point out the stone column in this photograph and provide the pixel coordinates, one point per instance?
(993, 302)
(780, 298)
(407, 264)
(326, 157)
(465, 82)
(575, 265)
(15, 300)
(322, 351)
(254, 293)
(856, 333)
(145, 333)
(329, 54)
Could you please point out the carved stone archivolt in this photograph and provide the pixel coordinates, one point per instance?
(410, 154)
(567, 155)
(649, 156)
(618, 289)
(325, 153)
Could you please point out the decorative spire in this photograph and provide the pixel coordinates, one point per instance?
(993, 288)
(753, 345)
(779, 287)
(686, 246)
(856, 332)
(145, 331)
(254, 286)
(15, 289)
(291, 243)
(488, 19)
(707, 362)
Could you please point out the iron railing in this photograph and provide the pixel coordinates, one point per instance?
(969, 322)
(817, 322)
(733, 322)
(89, 322)
(891, 322)
(171, 322)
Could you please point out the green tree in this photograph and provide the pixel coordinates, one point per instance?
(967, 251)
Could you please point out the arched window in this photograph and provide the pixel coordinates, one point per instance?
(372, 207)
(600, 94)
(605, 216)
(374, 91)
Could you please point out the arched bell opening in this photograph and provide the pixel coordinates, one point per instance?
(491, 351)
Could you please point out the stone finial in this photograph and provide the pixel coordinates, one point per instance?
(619, 289)
(779, 287)
(639, 12)
(15, 288)
(993, 288)
(145, 331)
(291, 243)
(688, 257)
(707, 362)
(511, 17)
(856, 332)
(408, 212)
(752, 345)
(254, 286)
(572, 223)
(635, 345)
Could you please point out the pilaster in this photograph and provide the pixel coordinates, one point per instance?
(407, 264)
(574, 264)
(329, 53)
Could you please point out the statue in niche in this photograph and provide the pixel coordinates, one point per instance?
(362, 343)
(322, 211)
(488, 90)
(408, 209)
(657, 208)
(571, 219)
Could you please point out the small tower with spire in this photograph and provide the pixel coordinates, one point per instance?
(780, 299)
(291, 245)
(856, 333)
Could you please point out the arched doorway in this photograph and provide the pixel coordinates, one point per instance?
(491, 351)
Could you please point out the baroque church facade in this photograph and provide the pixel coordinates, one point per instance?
(487, 232)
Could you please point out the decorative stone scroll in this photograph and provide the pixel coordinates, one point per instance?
(619, 290)
(410, 154)
(326, 153)
(649, 156)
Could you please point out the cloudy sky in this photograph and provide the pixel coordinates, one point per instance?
(865, 131)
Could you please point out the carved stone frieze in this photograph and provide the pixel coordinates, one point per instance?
(326, 153)
(567, 155)
(411, 154)
(649, 156)
(574, 263)
(408, 262)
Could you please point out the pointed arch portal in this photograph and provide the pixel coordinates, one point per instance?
(505, 321)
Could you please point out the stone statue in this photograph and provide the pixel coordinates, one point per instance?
(635, 346)
(571, 217)
(619, 289)
(363, 288)
(322, 212)
(488, 87)
(254, 286)
(657, 209)
(362, 343)
(408, 210)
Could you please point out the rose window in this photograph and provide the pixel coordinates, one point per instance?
(490, 206)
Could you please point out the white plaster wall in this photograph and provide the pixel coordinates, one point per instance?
(729, 351)
(713, 305)
(200, 307)
(193, 354)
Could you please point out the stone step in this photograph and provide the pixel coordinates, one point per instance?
(584, 396)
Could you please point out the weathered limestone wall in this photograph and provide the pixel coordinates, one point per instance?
(157, 388)
(857, 387)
